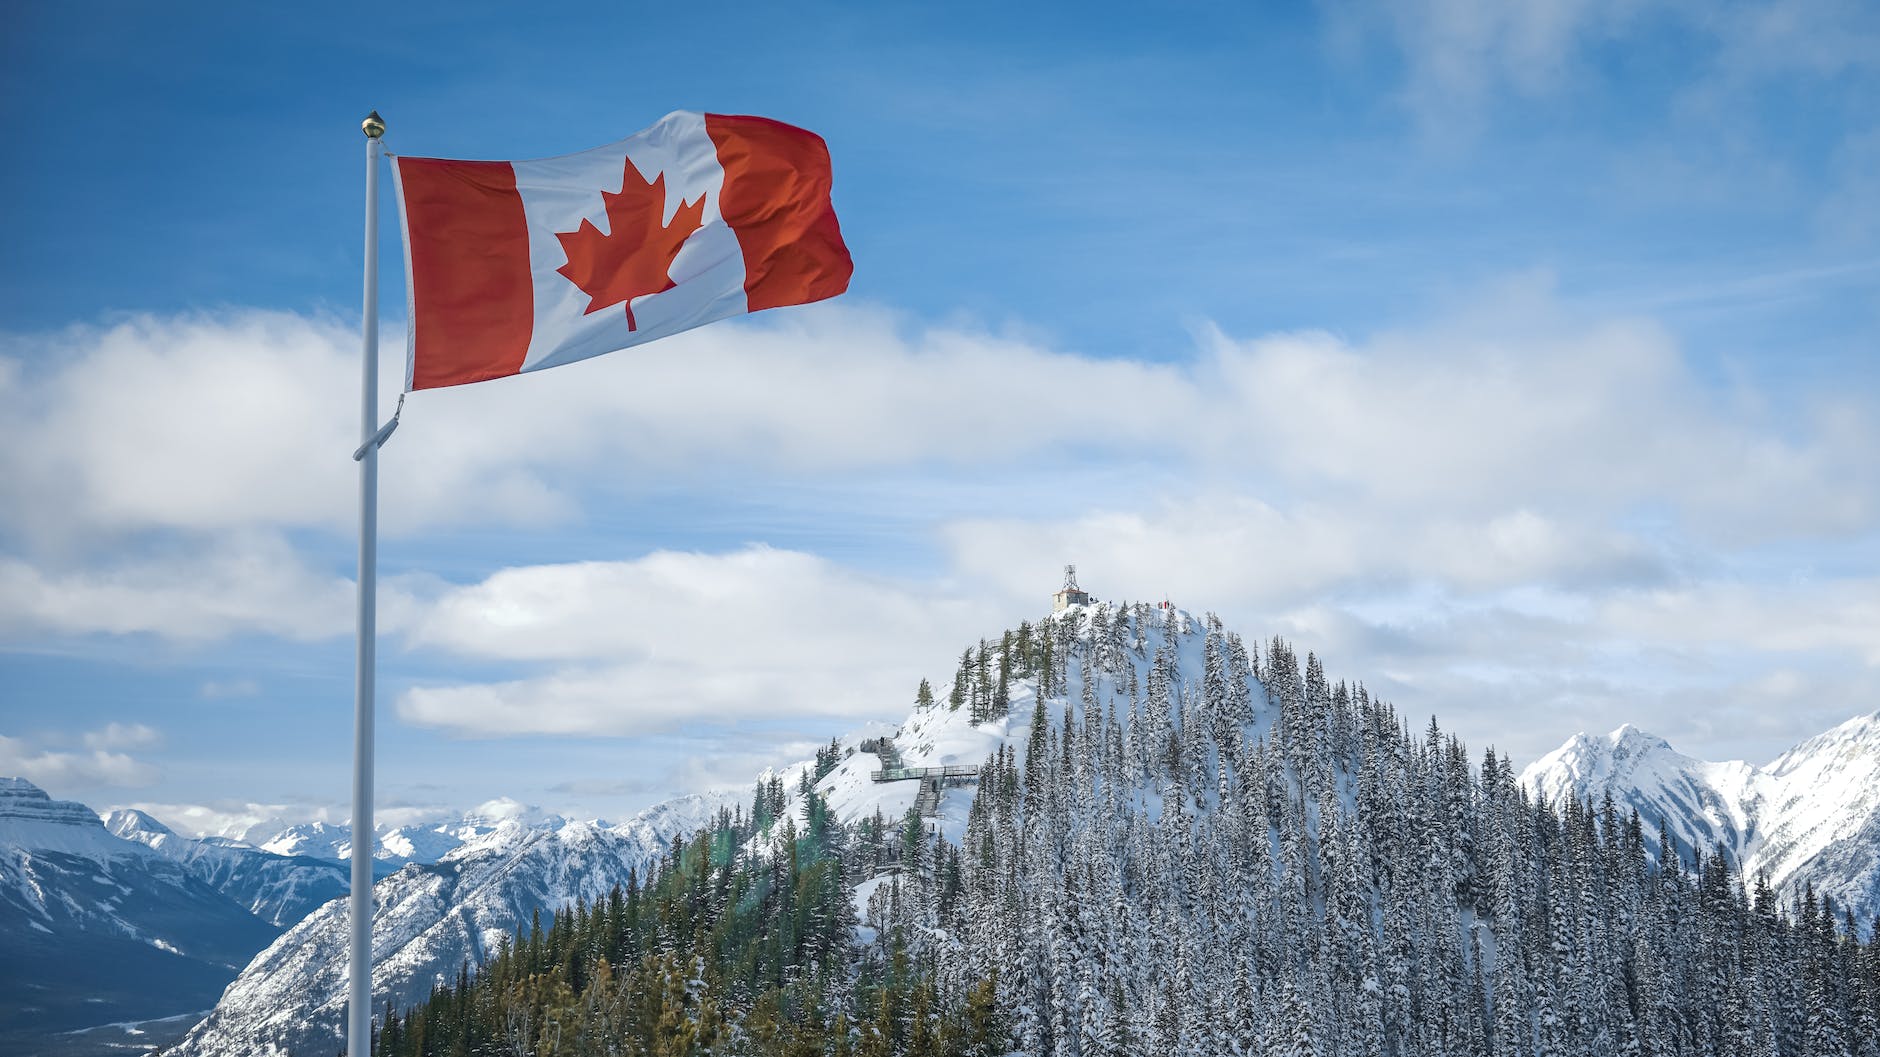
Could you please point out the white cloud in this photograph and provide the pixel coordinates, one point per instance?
(1833, 616)
(735, 765)
(1458, 55)
(241, 421)
(678, 638)
(246, 583)
(1522, 406)
(1461, 56)
(1472, 515)
(1504, 443)
(245, 421)
(1523, 671)
(123, 736)
(1226, 547)
(702, 760)
(189, 449)
(194, 422)
(62, 772)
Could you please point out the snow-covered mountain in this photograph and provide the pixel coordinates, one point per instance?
(1218, 809)
(122, 919)
(99, 929)
(421, 842)
(279, 889)
(1812, 816)
(430, 919)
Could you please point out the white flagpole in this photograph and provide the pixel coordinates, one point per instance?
(359, 991)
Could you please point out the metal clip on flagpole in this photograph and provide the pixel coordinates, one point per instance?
(378, 439)
(359, 985)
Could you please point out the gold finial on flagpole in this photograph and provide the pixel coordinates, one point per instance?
(373, 125)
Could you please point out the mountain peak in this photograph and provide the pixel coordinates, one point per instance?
(32, 820)
(1584, 758)
(1630, 739)
(128, 821)
(1813, 813)
(503, 809)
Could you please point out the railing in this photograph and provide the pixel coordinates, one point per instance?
(908, 774)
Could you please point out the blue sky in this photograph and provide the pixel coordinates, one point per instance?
(1519, 359)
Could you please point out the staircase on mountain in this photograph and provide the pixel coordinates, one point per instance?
(931, 779)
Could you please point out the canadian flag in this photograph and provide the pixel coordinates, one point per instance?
(517, 266)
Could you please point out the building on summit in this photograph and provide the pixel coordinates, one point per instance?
(1070, 594)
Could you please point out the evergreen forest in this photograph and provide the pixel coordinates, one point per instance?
(1190, 849)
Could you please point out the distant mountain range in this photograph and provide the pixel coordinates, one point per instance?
(278, 889)
(430, 920)
(111, 923)
(1810, 817)
(98, 929)
(124, 920)
(424, 842)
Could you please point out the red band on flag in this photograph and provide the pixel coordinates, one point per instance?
(776, 198)
(467, 242)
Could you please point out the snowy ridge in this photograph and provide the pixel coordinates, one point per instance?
(279, 889)
(424, 842)
(1810, 817)
(431, 919)
(31, 821)
(941, 736)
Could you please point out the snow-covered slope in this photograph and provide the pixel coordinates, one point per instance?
(1812, 816)
(1825, 816)
(431, 919)
(98, 929)
(317, 840)
(944, 737)
(279, 889)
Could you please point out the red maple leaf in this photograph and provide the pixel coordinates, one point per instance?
(632, 260)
